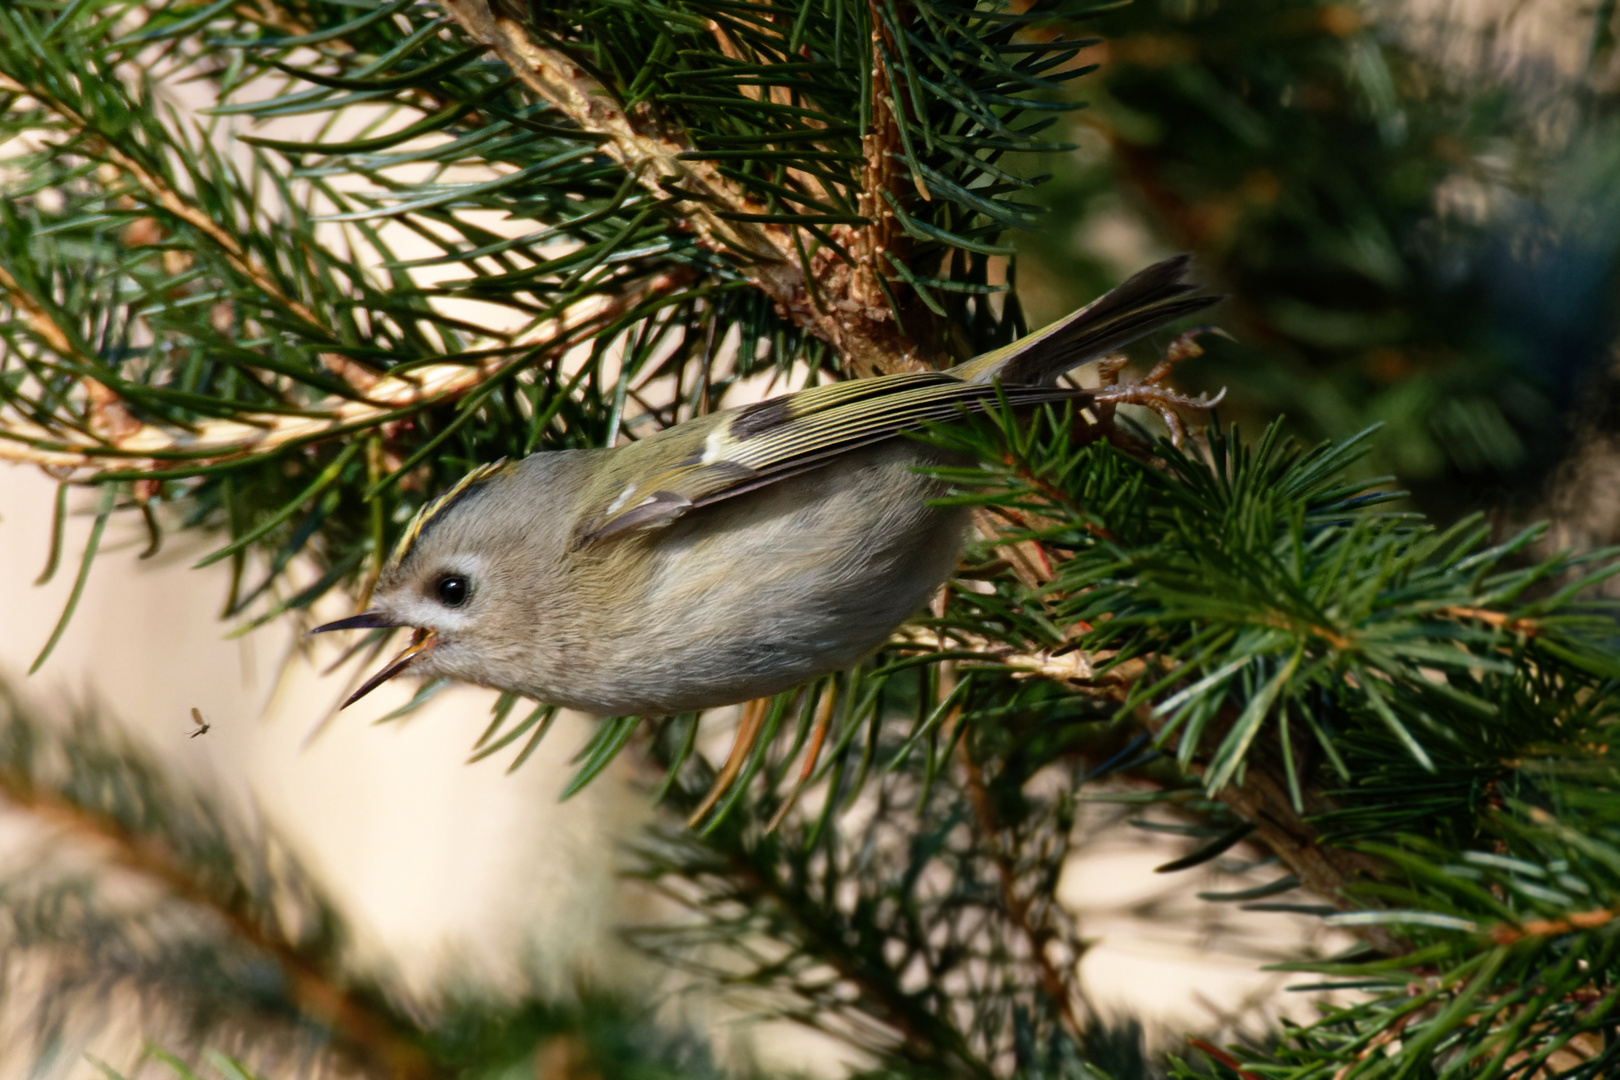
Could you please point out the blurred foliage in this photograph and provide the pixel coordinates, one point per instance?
(226, 943)
(1409, 239)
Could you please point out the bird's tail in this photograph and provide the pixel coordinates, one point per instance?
(1153, 298)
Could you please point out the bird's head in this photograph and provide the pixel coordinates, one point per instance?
(456, 577)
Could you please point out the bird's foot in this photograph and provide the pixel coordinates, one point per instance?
(1152, 391)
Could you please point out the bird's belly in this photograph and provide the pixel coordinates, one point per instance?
(770, 589)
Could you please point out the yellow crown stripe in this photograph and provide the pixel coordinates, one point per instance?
(431, 510)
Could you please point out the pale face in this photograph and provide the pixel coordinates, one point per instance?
(449, 597)
(448, 587)
(479, 571)
(444, 595)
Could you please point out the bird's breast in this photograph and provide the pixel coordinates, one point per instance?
(756, 594)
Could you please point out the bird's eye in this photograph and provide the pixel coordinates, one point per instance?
(452, 590)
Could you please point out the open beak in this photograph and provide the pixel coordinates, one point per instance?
(366, 620)
(421, 641)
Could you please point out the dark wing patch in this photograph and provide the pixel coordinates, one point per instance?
(762, 416)
(659, 508)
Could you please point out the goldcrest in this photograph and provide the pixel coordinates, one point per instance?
(726, 558)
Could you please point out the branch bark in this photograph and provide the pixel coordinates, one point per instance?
(1262, 798)
(859, 326)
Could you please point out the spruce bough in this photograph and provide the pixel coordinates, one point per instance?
(207, 321)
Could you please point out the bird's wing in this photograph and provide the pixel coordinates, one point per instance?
(750, 447)
(744, 449)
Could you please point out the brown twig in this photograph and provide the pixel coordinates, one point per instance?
(1075, 667)
(1508, 933)
(1528, 627)
(39, 320)
(631, 140)
(1262, 798)
(1223, 1057)
(1029, 560)
(873, 244)
(108, 416)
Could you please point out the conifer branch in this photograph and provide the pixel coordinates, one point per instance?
(852, 318)
(887, 1017)
(1058, 982)
(39, 320)
(109, 419)
(632, 139)
(144, 446)
(786, 178)
(1333, 873)
(230, 247)
(376, 1040)
(1261, 797)
(1508, 934)
(1080, 669)
(368, 1035)
(96, 145)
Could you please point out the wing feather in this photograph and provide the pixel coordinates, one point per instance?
(1152, 298)
(793, 434)
(745, 449)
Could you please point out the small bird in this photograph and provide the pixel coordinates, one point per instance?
(731, 556)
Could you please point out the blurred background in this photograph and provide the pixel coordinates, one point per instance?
(1415, 208)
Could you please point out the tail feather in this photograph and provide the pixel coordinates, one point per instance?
(1153, 298)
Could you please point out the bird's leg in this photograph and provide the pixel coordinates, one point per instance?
(1108, 369)
(1151, 392)
(807, 768)
(748, 728)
